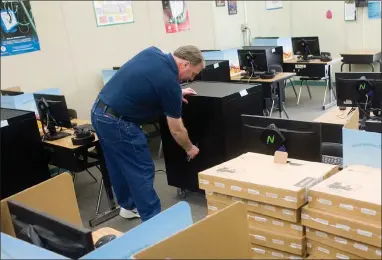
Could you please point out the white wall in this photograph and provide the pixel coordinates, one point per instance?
(74, 50)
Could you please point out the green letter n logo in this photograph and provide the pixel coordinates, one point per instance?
(362, 86)
(270, 139)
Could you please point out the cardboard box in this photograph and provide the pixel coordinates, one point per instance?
(261, 252)
(291, 215)
(357, 230)
(276, 225)
(260, 221)
(223, 235)
(321, 251)
(257, 177)
(354, 192)
(344, 244)
(282, 242)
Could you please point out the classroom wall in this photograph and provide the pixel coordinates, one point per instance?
(74, 50)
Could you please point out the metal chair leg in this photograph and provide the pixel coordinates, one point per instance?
(294, 89)
(273, 105)
(326, 89)
(94, 178)
(160, 150)
(307, 86)
(99, 196)
(299, 94)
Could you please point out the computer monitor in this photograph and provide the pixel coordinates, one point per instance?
(306, 46)
(359, 89)
(48, 232)
(252, 61)
(266, 135)
(53, 113)
(10, 93)
(273, 55)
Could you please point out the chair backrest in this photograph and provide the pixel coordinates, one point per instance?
(55, 196)
(72, 113)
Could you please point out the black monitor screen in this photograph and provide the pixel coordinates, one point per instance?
(57, 109)
(10, 93)
(252, 61)
(49, 232)
(302, 139)
(306, 46)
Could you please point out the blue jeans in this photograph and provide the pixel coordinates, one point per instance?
(128, 161)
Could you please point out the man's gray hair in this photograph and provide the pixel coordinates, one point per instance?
(189, 53)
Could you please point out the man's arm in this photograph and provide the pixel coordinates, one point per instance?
(180, 134)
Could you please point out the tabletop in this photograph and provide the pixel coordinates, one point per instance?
(279, 76)
(294, 60)
(335, 116)
(66, 142)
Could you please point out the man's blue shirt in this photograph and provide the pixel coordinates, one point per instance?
(145, 88)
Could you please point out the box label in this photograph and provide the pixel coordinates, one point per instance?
(209, 193)
(243, 93)
(219, 185)
(321, 234)
(343, 227)
(205, 182)
(271, 195)
(235, 188)
(279, 255)
(236, 199)
(304, 216)
(277, 223)
(287, 212)
(253, 192)
(252, 203)
(294, 257)
(267, 207)
(290, 199)
(341, 240)
(276, 241)
(361, 247)
(341, 256)
(296, 227)
(309, 245)
(216, 65)
(322, 221)
(260, 219)
(324, 250)
(325, 202)
(310, 198)
(368, 212)
(346, 206)
(222, 196)
(258, 250)
(213, 208)
(307, 229)
(305, 182)
(258, 237)
(378, 252)
(294, 245)
(364, 233)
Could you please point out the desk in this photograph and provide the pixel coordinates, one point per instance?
(315, 68)
(103, 232)
(267, 84)
(74, 158)
(361, 57)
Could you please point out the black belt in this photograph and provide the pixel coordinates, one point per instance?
(108, 110)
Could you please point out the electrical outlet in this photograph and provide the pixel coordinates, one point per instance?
(244, 27)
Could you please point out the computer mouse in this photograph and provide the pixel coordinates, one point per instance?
(104, 240)
(272, 71)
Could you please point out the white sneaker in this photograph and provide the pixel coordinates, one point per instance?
(129, 214)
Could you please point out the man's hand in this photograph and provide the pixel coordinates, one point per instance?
(187, 92)
(193, 152)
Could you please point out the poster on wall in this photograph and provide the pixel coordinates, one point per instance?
(270, 5)
(374, 9)
(113, 12)
(18, 29)
(219, 3)
(176, 16)
(232, 7)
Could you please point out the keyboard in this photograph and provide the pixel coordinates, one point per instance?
(315, 57)
(86, 126)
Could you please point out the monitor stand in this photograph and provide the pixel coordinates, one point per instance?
(53, 134)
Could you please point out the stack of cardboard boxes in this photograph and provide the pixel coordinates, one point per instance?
(343, 217)
(273, 194)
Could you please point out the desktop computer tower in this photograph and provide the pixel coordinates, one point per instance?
(213, 121)
(24, 163)
(273, 56)
(215, 70)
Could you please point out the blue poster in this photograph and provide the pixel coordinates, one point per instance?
(18, 30)
(374, 9)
